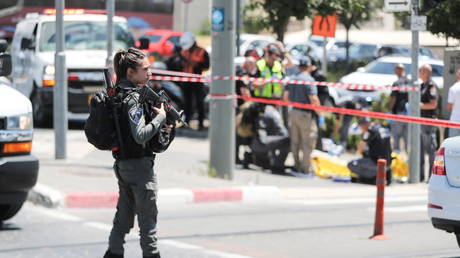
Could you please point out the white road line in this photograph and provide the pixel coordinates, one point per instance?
(413, 208)
(107, 227)
(329, 201)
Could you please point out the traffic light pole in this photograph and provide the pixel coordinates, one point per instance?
(414, 106)
(222, 103)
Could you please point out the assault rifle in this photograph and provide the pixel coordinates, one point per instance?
(149, 96)
(111, 92)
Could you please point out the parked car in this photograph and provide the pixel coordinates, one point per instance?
(381, 72)
(385, 50)
(18, 168)
(444, 188)
(304, 48)
(253, 41)
(161, 42)
(357, 52)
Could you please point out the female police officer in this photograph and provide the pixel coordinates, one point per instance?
(133, 166)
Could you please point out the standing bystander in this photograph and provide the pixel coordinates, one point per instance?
(397, 105)
(428, 106)
(302, 124)
(196, 60)
(453, 104)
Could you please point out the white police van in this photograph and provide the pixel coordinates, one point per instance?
(33, 50)
(18, 168)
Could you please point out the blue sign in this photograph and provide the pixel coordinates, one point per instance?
(218, 19)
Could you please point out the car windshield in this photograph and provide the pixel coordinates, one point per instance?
(85, 35)
(388, 68)
(153, 38)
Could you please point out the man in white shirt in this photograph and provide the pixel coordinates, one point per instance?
(453, 104)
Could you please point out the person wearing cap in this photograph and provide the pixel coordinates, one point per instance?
(397, 105)
(269, 67)
(428, 106)
(195, 60)
(302, 125)
(453, 104)
(375, 144)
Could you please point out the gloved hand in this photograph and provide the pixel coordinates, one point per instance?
(322, 122)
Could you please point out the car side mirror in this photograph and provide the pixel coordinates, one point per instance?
(26, 43)
(361, 70)
(5, 64)
(144, 43)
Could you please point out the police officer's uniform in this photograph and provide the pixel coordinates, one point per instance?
(428, 143)
(137, 180)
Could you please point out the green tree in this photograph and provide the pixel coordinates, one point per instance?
(279, 12)
(354, 13)
(444, 19)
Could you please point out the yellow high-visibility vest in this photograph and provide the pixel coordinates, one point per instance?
(270, 89)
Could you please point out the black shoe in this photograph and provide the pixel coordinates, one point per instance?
(108, 254)
(157, 255)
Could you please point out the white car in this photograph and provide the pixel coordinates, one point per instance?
(381, 73)
(250, 41)
(444, 188)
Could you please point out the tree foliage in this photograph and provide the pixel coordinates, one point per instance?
(279, 12)
(444, 19)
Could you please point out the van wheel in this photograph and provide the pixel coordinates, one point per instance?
(41, 118)
(8, 211)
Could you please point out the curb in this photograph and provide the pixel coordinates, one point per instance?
(45, 196)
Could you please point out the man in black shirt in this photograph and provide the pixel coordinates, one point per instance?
(428, 105)
(398, 101)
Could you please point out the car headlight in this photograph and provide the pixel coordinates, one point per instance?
(20, 122)
(49, 70)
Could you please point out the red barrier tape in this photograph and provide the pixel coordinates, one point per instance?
(346, 111)
(190, 77)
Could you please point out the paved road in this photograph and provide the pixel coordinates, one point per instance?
(309, 227)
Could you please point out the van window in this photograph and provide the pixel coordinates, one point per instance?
(84, 35)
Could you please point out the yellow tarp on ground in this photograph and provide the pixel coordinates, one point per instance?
(327, 166)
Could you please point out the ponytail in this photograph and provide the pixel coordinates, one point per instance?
(125, 59)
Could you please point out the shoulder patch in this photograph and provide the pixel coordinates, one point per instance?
(433, 91)
(135, 114)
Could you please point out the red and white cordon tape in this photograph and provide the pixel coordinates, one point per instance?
(185, 77)
(189, 77)
(347, 111)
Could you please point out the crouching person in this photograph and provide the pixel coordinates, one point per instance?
(375, 145)
(143, 131)
(270, 145)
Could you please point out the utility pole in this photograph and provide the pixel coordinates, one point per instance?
(110, 5)
(414, 105)
(222, 104)
(60, 87)
(238, 26)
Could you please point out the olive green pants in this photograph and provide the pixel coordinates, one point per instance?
(137, 185)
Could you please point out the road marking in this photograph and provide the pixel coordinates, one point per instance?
(107, 227)
(413, 208)
(329, 201)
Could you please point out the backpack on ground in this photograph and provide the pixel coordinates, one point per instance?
(100, 127)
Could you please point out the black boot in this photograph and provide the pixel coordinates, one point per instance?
(157, 255)
(108, 254)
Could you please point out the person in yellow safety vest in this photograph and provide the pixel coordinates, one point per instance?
(269, 67)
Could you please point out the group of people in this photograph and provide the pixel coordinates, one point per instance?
(277, 130)
(271, 131)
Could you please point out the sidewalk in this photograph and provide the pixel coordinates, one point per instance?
(85, 179)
